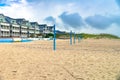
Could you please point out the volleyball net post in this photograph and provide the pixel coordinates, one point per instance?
(74, 37)
(54, 39)
(70, 37)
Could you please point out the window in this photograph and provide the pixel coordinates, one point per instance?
(1, 20)
(13, 21)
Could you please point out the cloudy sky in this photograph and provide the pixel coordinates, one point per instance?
(88, 16)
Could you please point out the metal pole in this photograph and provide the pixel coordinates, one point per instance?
(74, 37)
(78, 39)
(70, 37)
(54, 39)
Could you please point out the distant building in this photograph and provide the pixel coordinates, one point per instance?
(49, 29)
(45, 29)
(10, 27)
(35, 25)
(60, 32)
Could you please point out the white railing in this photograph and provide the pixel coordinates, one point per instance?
(15, 25)
(37, 29)
(24, 35)
(6, 24)
(31, 28)
(31, 31)
(15, 30)
(5, 29)
(24, 31)
(46, 31)
(8, 34)
(24, 27)
(37, 32)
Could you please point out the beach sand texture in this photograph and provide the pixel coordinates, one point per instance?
(88, 60)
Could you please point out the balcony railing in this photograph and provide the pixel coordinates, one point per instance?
(15, 25)
(31, 28)
(46, 31)
(16, 30)
(37, 32)
(6, 24)
(5, 34)
(5, 29)
(31, 31)
(37, 29)
(24, 27)
(24, 31)
(23, 35)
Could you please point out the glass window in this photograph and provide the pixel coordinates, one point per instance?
(1, 20)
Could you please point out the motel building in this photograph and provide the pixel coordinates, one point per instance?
(21, 28)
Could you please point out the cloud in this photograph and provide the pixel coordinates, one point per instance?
(102, 22)
(99, 21)
(50, 19)
(17, 9)
(74, 20)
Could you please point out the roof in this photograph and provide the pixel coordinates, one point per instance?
(34, 23)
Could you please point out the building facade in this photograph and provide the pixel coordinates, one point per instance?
(44, 29)
(35, 25)
(22, 28)
(4, 26)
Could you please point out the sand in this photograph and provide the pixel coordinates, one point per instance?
(88, 60)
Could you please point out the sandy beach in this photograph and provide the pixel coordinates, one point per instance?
(90, 59)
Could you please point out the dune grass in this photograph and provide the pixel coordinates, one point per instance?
(86, 36)
(98, 36)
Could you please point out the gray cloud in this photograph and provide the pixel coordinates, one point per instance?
(74, 20)
(102, 22)
(50, 19)
(99, 22)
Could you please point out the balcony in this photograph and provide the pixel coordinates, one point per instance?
(5, 30)
(46, 31)
(37, 29)
(31, 28)
(37, 32)
(23, 35)
(24, 31)
(5, 34)
(13, 25)
(15, 30)
(16, 35)
(5, 24)
(24, 27)
(31, 31)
